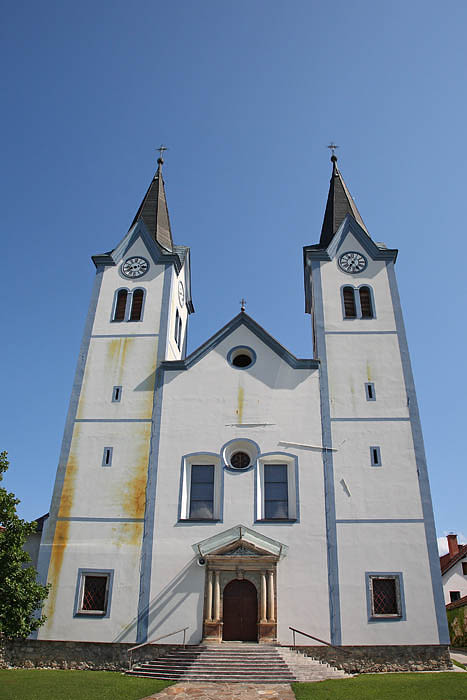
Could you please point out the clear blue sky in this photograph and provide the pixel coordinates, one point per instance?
(246, 95)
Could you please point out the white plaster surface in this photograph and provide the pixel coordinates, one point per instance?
(455, 580)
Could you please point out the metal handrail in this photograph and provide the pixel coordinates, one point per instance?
(153, 641)
(317, 639)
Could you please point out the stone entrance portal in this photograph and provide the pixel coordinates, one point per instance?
(240, 612)
(240, 601)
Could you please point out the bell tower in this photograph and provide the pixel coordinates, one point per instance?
(100, 511)
(377, 496)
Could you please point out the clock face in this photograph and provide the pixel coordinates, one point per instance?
(352, 262)
(181, 293)
(135, 267)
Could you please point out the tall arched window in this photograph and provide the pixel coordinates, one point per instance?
(120, 305)
(350, 310)
(365, 302)
(137, 305)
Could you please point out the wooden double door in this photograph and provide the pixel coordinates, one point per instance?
(240, 612)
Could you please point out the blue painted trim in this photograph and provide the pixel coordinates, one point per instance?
(424, 484)
(100, 520)
(327, 456)
(150, 508)
(372, 300)
(113, 420)
(107, 457)
(241, 319)
(45, 551)
(259, 464)
(367, 391)
(248, 351)
(361, 332)
(117, 389)
(375, 459)
(397, 575)
(367, 521)
(83, 572)
(113, 309)
(125, 335)
(344, 316)
(369, 420)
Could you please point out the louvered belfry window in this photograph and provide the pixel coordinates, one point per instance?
(365, 302)
(350, 309)
(120, 306)
(94, 593)
(137, 305)
(385, 596)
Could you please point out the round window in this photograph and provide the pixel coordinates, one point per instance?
(241, 357)
(240, 460)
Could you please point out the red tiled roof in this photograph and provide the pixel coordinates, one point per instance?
(457, 603)
(446, 561)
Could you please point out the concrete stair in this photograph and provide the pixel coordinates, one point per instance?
(306, 669)
(235, 663)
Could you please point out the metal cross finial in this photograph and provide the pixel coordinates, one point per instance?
(242, 304)
(333, 147)
(161, 150)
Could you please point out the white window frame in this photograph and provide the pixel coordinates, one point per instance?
(202, 459)
(101, 573)
(291, 462)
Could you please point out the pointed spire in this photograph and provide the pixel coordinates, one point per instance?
(153, 209)
(339, 204)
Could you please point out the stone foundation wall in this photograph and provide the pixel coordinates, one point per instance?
(374, 659)
(95, 656)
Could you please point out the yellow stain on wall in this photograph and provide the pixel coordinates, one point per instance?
(132, 494)
(128, 534)
(56, 561)
(240, 403)
(368, 371)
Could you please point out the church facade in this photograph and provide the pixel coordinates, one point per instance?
(239, 491)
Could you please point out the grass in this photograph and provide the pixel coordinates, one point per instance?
(458, 663)
(39, 684)
(393, 686)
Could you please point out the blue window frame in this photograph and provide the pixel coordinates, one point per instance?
(370, 391)
(375, 456)
(107, 457)
(385, 596)
(202, 492)
(116, 394)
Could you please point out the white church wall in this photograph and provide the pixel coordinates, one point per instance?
(385, 548)
(377, 362)
(101, 546)
(387, 491)
(204, 422)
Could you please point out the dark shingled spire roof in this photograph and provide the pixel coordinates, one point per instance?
(153, 211)
(339, 204)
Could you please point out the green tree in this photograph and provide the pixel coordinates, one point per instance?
(20, 594)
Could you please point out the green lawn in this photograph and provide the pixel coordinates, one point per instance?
(38, 684)
(393, 686)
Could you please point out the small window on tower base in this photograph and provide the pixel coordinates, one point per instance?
(94, 591)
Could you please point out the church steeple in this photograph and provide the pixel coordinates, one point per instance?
(339, 204)
(154, 212)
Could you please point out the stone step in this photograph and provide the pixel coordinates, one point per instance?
(227, 663)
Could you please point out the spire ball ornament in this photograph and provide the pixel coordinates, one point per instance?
(161, 150)
(333, 147)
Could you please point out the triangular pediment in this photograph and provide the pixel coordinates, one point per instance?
(240, 541)
(241, 319)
